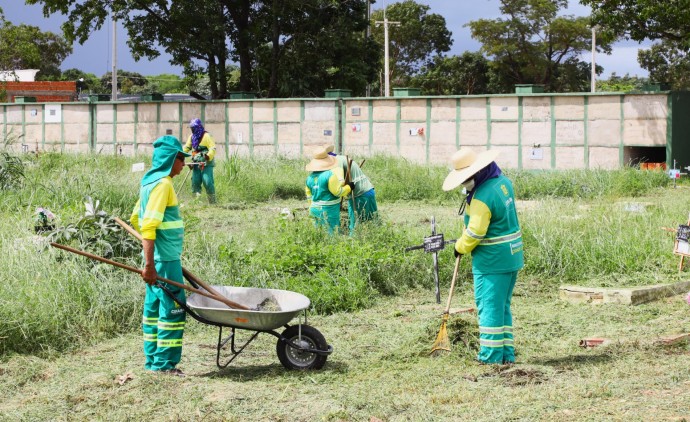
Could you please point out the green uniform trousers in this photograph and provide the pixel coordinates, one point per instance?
(365, 207)
(164, 320)
(492, 294)
(204, 177)
(326, 215)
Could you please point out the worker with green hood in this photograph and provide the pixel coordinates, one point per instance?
(156, 216)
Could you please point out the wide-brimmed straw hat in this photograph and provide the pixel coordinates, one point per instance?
(466, 163)
(321, 160)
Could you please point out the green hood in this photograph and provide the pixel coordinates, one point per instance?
(165, 149)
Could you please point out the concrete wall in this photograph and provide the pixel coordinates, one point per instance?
(532, 131)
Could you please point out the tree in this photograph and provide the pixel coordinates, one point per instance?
(625, 83)
(467, 74)
(315, 45)
(668, 62)
(86, 82)
(644, 19)
(535, 45)
(415, 42)
(127, 82)
(27, 47)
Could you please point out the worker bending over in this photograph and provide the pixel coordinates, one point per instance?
(325, 185)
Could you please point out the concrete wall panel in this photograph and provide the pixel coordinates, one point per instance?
(34, 114)
(288, 111)
(508, 156)
(53, 133)
(570, 132)
(104, 133)
(125, 133)
(76, 134)
(214, 112)
(313, 133)
(190, 111)
(75, 113)
(147, 133)
(239, 133)
(603, 158)
(604, 107)
(238, 111)
(604, 132)
(504, 108)
(443, 109)
(536, 109)
(570, 158)
(288, 134)
(384, 110)
(289, 150)
(569, 108)
(32, 134)
(319, 111)
(263, 134)
(644, 132)
(264, 151)
(352, 138)
(384, 134)
(531, 164)
(263, 111)
(416, 153)
(170, 112)
(442, 133)
(359, 106)
(645, 107)
(241, 150)
(14, 114)
(504, 133)
(413, 110)
(105, 113)
(536, 133)
(473, 132)
(147, 113)
(473, 109)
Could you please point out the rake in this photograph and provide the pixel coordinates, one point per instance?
(442, 342)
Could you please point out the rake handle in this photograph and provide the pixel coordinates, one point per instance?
(136, 270)
(452, 284)
(185, 272)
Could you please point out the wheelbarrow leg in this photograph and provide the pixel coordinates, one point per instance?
(233, 350)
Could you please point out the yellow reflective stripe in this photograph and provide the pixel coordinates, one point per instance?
(150, 321)
(171, 326)
(323, 203)
(150, 337)
(501, 239)
(153, 215)
(166, 225)
(491, 330)
(473, 235)
(170, 343)
(491, 343)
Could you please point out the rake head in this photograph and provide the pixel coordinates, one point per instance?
(442, 343)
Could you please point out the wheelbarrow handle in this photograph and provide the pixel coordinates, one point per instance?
(138, 271)
(185, 272)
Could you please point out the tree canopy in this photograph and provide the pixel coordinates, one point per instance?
(27, 47)
(414, 43)
(533, 44)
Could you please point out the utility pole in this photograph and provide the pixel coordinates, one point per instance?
(594, 50)
(368, 36)
(385, 23)
(114, 70)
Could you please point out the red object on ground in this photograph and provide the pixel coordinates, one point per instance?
(592, 342)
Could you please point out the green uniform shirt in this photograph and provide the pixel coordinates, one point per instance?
(357, 176)
(492, 232)
(157, 217)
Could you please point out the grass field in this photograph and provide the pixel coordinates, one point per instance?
(68, 329)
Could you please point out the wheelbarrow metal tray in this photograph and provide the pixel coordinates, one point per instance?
(290, 303)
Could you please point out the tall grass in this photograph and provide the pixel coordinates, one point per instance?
(577, 232)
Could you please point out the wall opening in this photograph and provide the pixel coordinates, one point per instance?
(636, 156)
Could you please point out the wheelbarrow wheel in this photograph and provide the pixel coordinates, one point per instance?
(293, 358)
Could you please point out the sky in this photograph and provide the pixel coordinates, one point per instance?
(95, 56)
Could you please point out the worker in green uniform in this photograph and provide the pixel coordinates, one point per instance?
(361, 204)
(492, 235)
(156, 216)
(325, 185)
(203, 149)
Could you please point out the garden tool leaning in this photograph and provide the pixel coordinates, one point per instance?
(442, 342)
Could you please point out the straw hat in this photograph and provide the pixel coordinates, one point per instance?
(321, 160)
(466, 163)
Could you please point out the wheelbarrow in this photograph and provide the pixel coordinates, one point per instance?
(299, 346)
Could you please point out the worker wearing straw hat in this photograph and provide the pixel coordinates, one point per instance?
(157, 217)
(492, 235)
(361, 204)
(325, 185)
